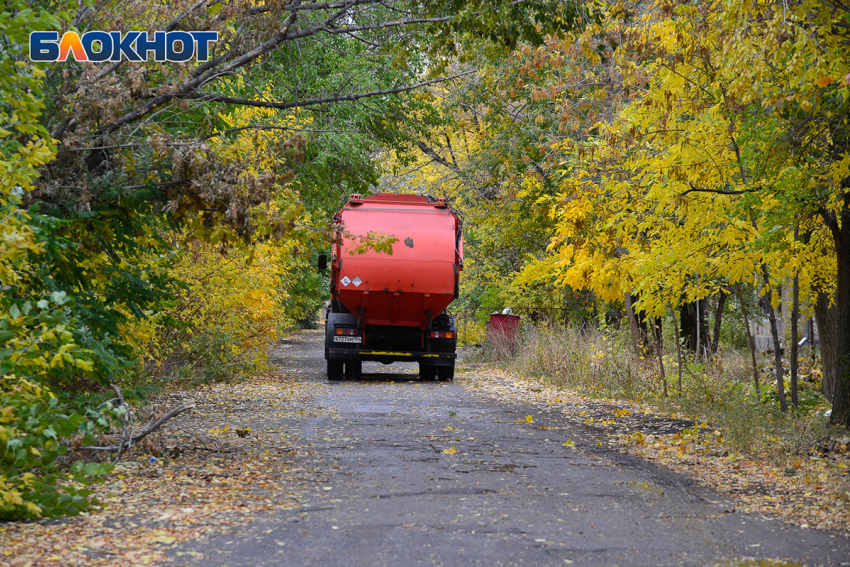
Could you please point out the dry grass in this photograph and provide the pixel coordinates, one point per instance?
(601, 362)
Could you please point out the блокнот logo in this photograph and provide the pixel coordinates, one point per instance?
(99, 46)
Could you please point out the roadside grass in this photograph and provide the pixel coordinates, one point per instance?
(601, 363)
(793, 464)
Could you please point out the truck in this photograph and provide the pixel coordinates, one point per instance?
(393, 307)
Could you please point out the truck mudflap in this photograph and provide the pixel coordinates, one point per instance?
(433, 358)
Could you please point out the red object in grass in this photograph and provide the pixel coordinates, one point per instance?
(507, 326)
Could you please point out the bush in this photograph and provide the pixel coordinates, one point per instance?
(226, 315)
(33, 425)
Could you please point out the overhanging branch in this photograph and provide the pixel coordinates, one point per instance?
(197, 82)
(435, 156)
(717, 191)
(212, 97)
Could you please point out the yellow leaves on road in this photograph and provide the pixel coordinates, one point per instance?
(187, 496)
(450, 451)
(810, 490)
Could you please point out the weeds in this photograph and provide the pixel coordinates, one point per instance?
(600, 362)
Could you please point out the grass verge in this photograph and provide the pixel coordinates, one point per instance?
(791, 464)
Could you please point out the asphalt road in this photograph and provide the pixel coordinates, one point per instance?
(513, 494)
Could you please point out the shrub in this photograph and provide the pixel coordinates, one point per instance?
(223, 319)
(33, 425)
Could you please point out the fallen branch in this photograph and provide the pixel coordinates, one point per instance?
(127, 439)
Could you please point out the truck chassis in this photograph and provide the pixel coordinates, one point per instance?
(347, 346)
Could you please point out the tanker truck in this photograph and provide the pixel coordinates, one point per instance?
(392, 307)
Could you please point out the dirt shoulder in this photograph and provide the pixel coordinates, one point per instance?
(812, 491)
(204, 478)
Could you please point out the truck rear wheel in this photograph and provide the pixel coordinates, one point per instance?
(334, 370)
(446, 373)
(353, 369)
(427, 371)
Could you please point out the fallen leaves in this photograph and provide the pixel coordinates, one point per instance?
(813, 495)
(450, 451)
(210, 479)
(813, 491)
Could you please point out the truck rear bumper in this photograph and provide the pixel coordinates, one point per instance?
(387, 356)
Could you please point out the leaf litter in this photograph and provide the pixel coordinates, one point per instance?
(814, 492)
(214, 469)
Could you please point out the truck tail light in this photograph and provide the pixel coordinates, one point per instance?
(347, 332)
(441, 335)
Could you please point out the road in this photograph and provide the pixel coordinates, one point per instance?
(513, 494)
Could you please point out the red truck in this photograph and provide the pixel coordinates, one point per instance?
(390, 308)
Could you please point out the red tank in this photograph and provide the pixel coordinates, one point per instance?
(390, 307)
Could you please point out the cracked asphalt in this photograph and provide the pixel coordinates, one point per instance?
(385, 494)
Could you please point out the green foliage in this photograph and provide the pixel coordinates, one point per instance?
(35, 426)
(208, 357)
(96, 262)
(44, 341)
(306, 290)
(25, 145)
(504, 22)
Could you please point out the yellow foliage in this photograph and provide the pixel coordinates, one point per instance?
(229, 311)
(263, 132)
(681, 192)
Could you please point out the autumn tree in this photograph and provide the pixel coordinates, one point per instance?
(726, 147)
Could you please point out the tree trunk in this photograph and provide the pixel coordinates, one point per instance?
(777, 346)
(645, 326)
(659, 332)
(678, 347)
(718, 319)
(750, 342)
(700, 326)
(659, 349)
(630, 313)
(841, 398)
(692, 324)
(795, 314)
(827, 320)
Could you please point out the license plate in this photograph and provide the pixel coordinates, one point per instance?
(348, 340)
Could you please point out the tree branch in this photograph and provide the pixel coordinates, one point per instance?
(169, 27)
(718, 191)
(263, 127)
(435, 156)
(153, 425)
(831, 221)
(196, 82)
(212, 97)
